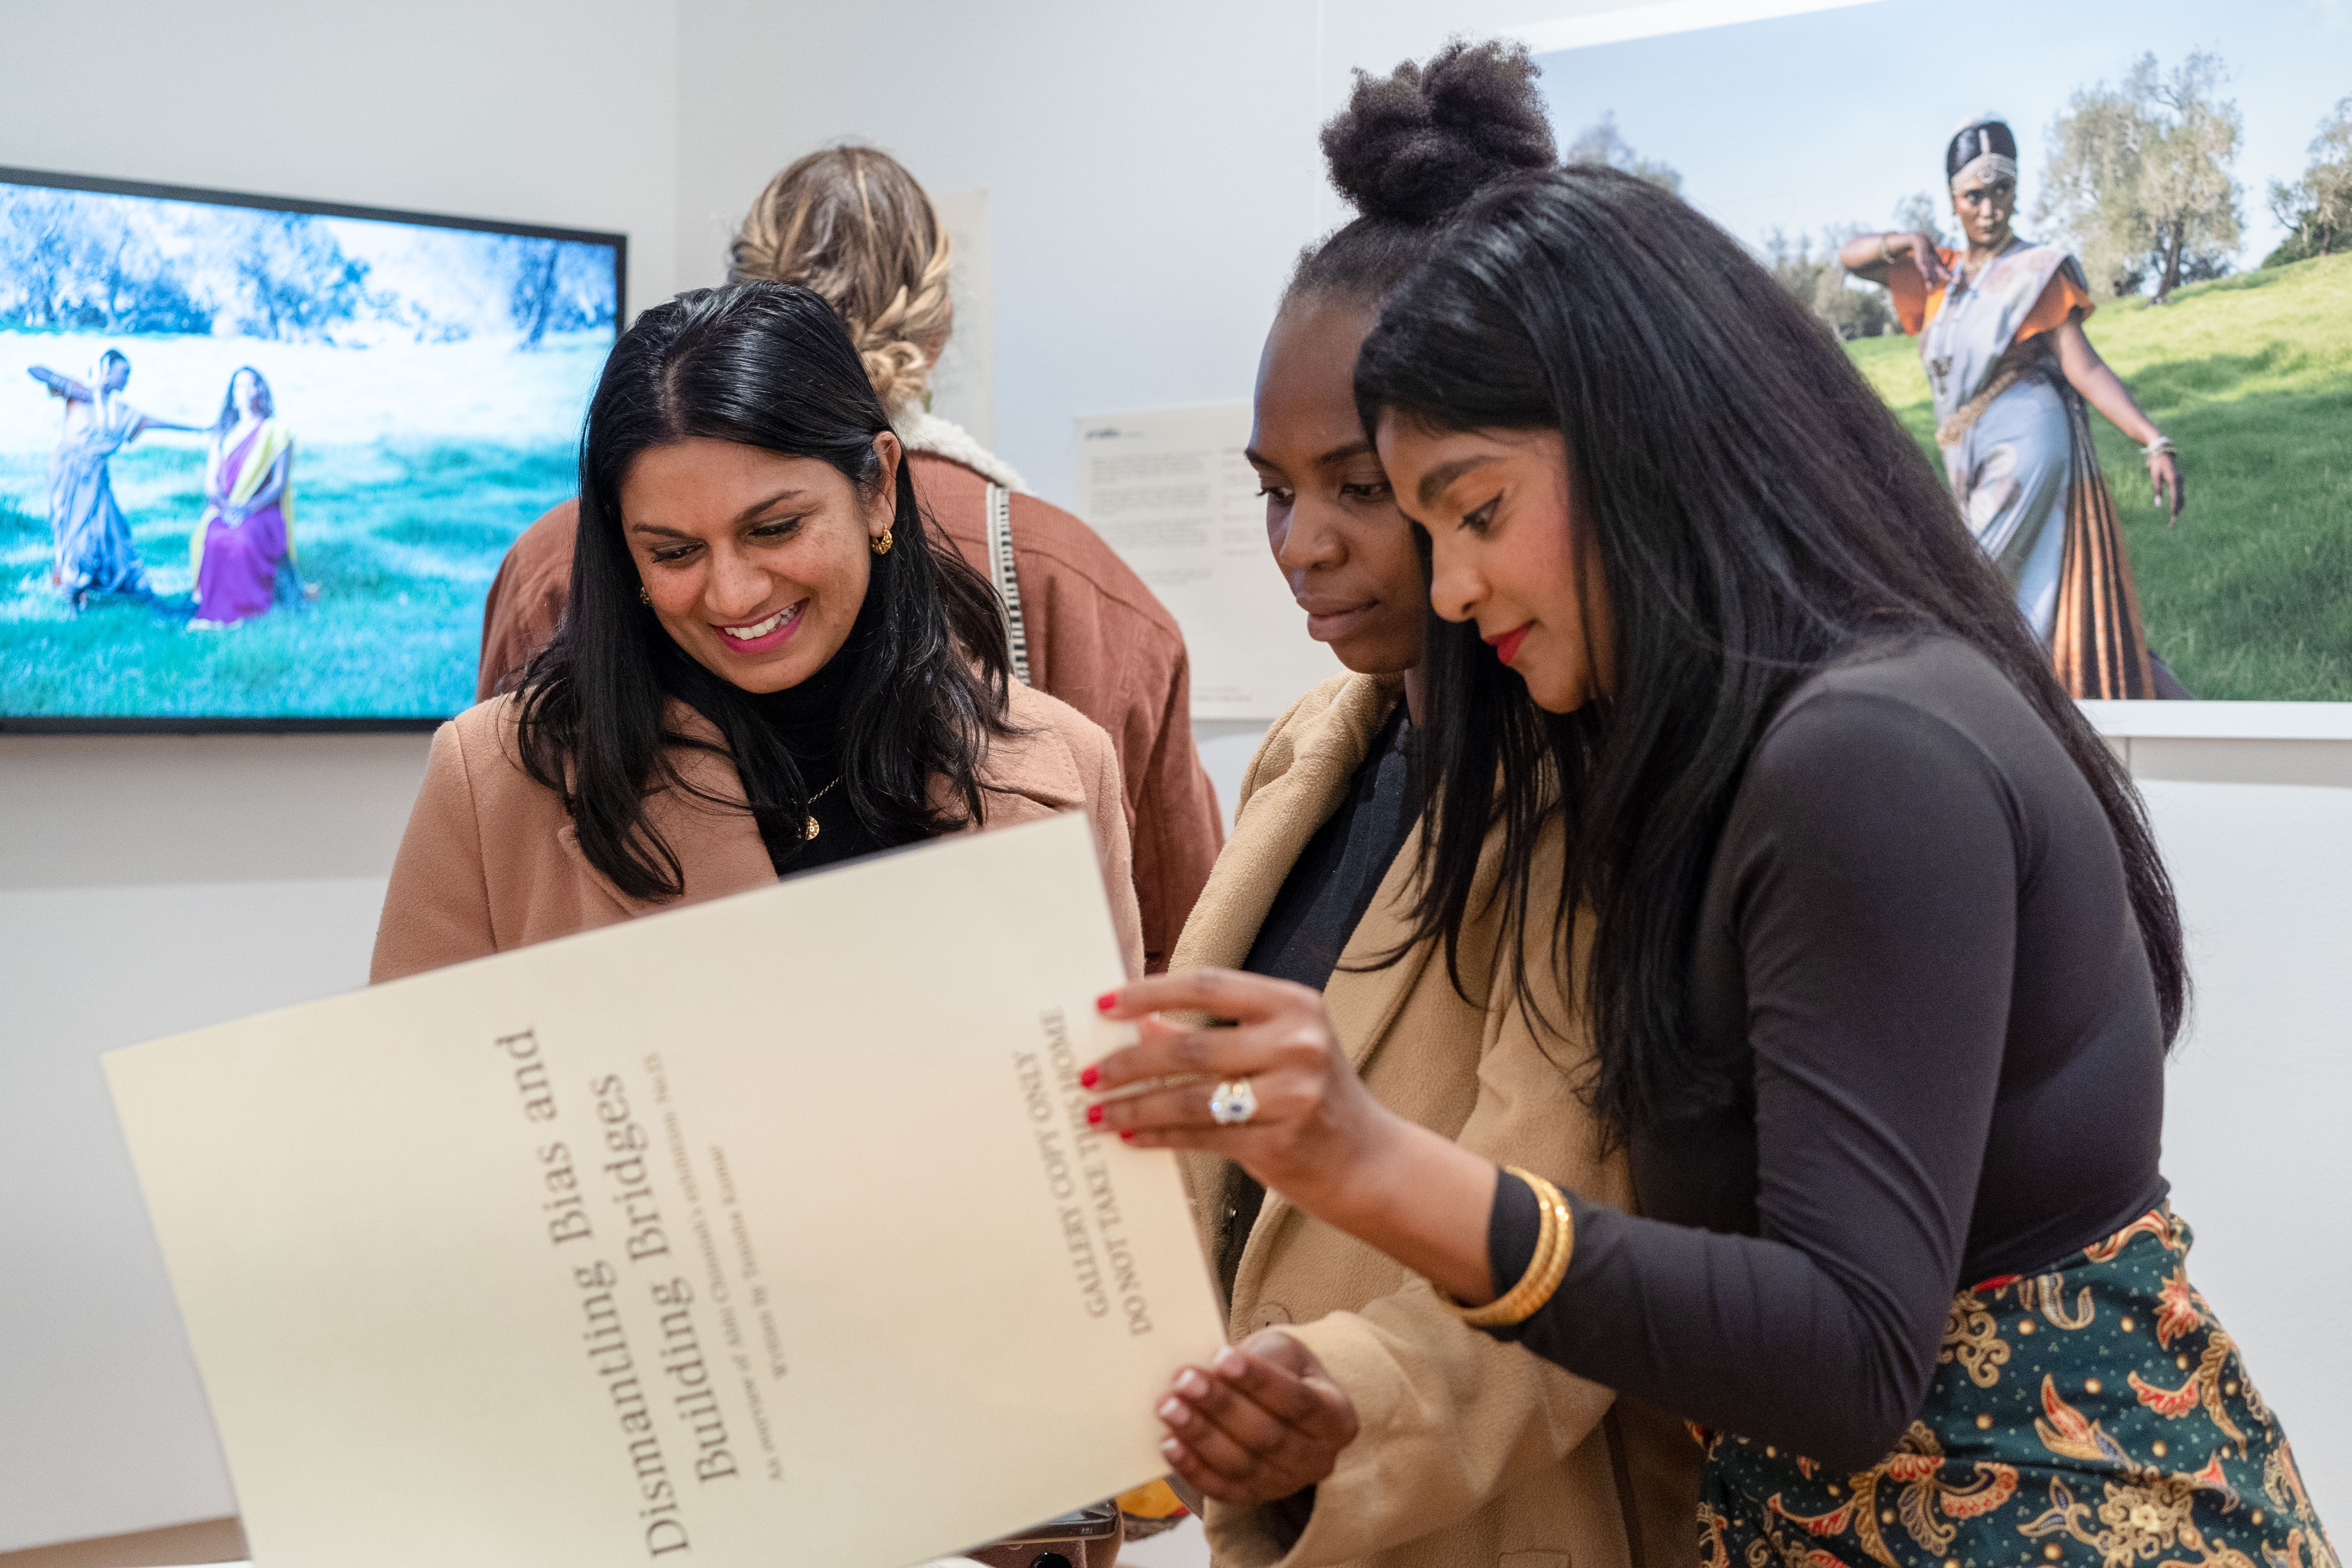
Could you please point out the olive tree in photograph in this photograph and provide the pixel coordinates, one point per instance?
(2139, 175)
(2317, 209)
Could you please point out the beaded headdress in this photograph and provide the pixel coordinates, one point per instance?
(1983, 150)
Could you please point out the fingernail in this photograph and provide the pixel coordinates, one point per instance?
(1090, 1078)
(1094, 1115)
(1126, 1136)
(1233, 1364)
(1173, 1450)
(1172, 1411)
(1106, 1002)
(1190, 1384)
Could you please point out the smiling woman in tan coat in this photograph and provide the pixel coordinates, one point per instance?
(771, 663)
(851, 224)
(1359, 1420)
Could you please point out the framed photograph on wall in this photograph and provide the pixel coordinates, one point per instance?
(2176, 191)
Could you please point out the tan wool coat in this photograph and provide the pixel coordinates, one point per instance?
(1471, 1451)
(491, 860)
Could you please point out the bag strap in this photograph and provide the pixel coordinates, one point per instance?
(1007, 582)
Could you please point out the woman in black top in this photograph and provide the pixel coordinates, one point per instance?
(1883, 962)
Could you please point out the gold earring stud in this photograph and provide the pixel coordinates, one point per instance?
(644, 597)
(881, 546)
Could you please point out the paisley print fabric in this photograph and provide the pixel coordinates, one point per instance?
(2094, 1416)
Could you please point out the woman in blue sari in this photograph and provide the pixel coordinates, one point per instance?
(2000, 324)
(93, 552)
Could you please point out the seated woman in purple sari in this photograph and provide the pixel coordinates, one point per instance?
(245, 542)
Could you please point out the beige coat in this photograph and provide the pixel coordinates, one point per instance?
(1471, 1451)
(491, 860)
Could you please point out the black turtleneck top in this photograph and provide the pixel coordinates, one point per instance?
(808, 719)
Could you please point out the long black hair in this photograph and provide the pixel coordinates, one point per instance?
(1755, 510)
(767, 365)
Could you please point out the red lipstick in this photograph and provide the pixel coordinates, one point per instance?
(1506, 645)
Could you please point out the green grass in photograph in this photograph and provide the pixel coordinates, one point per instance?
(400, 539)
(2250, 595)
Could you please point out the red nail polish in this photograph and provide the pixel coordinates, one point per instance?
(1090, 1078)
(1094, 1115)
(1126, 1136)
(1106, 1002)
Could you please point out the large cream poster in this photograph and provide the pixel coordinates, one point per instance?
(767, 1231)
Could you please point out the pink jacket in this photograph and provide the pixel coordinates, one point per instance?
(491, 860)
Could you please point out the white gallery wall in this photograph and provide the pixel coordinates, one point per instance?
(150, 884)
(1149, 173)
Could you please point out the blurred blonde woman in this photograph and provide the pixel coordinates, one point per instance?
(851, 225)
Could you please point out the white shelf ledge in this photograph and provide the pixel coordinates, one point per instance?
(2222, 721)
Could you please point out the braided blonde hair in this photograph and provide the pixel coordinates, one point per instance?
(852, 225)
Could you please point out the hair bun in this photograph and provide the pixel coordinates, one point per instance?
(1413, 145)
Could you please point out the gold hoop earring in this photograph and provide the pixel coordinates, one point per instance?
(644, 597)
(881, 546)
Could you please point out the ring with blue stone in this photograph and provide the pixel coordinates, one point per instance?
(1232, 1103)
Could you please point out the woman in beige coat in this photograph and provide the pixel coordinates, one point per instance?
(771, 664)
(852, 224)
(1464, 1450)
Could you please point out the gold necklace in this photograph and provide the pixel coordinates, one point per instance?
(812, 828)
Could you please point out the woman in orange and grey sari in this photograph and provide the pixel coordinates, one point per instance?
(2000, 325)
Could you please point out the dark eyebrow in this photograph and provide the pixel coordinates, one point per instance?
(1336, 455)
(746, 515)
(1433, 483)
(749, 512)
(1339, 454)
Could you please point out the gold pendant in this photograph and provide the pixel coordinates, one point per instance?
(811, 838)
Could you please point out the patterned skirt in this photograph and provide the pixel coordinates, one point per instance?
(2095, 1414)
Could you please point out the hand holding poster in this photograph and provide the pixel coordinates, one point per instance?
(712, 1237)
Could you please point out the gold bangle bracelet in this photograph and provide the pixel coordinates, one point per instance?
(1545, 1268)
(1554, 1243)
(1528, 1297)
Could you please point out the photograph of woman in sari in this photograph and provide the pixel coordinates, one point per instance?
(2000, 326)
(243, 548)
(94, 554)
